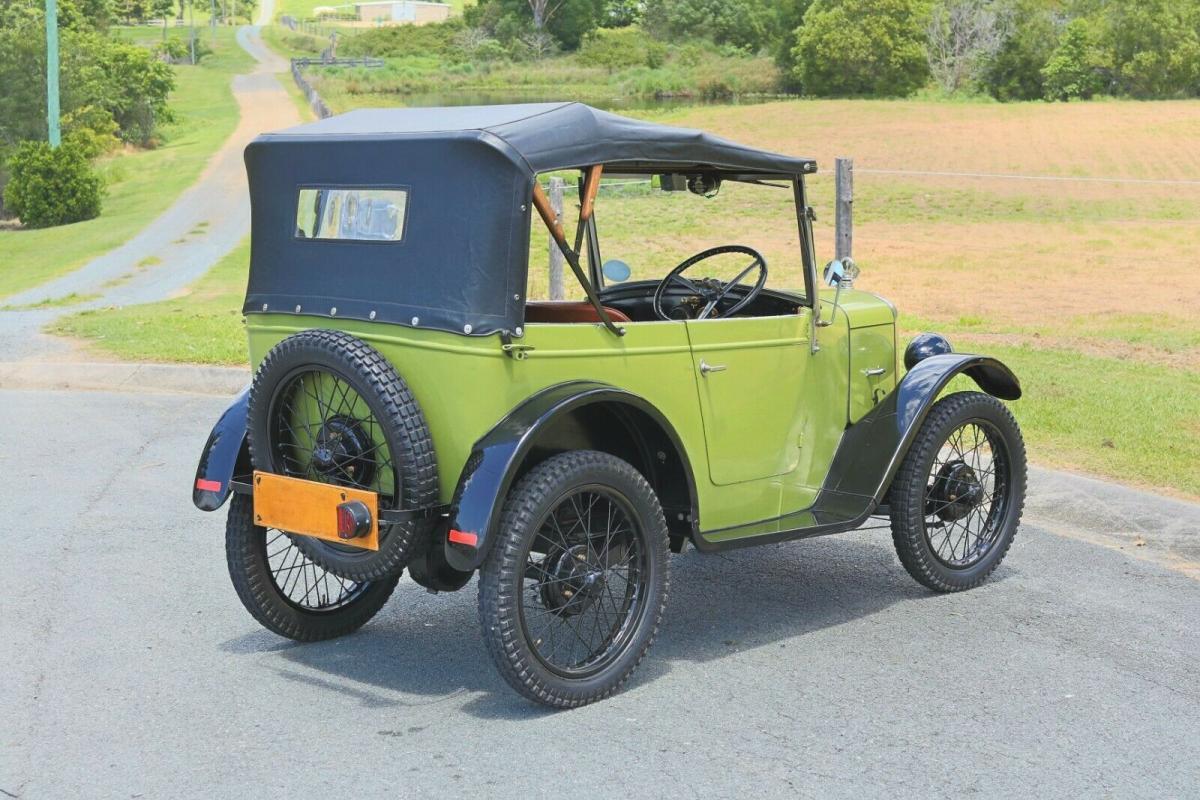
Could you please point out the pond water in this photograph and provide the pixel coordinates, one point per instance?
(613, 103)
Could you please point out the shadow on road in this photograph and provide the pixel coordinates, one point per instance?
(719, 605)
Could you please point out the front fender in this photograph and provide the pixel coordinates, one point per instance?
(225, 455)
(497, 458)
(871, 451)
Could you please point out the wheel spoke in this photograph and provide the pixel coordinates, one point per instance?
(965, 492)
(578, 602)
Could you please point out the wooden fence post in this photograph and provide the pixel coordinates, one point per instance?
(556, 256)
(844, 216)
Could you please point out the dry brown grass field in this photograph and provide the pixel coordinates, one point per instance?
(1109, 268)
(1089, 288)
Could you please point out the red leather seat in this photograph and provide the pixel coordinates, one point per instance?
(559, 312)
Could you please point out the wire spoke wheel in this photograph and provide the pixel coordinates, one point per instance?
(956, 501)
(966, 494)
(287, 591)
(303, 583)
(584, 582)
(573, 590)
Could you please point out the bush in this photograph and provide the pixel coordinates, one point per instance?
(1073, 71)
(862, 47)
(51, 186)
(619, 48)
(745, 24)
(441, 39)
(92, 130)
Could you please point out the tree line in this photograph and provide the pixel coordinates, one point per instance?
(1008, 49)
(111, 93)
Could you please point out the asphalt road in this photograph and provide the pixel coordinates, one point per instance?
(813, 669)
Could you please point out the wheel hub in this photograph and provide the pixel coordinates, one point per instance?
(575, 580)
(340, 451)
(957, 491)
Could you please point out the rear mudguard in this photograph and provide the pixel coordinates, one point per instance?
(225, 455)
(870, 453)
(496, 461)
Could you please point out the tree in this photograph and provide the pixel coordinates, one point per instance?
(511, 21)
(1014, 72)
(963, 35)
(51, 186)
(622, 13)
(1073, 71)
(543, 10)
(95, 70)
(862, 47)
(789, 16)
(747, 24)
(1153, 46)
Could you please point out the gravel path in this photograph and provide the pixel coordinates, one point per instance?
(203, 224)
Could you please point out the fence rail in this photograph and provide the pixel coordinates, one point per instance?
(315, 102)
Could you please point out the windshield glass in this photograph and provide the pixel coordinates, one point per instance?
(652, 231)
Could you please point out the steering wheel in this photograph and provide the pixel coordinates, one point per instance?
(711, 290)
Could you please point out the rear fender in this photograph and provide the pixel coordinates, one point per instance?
(529, 433)
(226, 454)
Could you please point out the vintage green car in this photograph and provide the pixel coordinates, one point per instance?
(412, 408)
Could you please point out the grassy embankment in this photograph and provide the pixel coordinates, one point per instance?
(1088, 289)
(426, 64)
(141, 184)
(303, 9)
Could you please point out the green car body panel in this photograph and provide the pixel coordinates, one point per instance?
(759, 435)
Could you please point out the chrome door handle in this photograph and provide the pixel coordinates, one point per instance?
(874, 371)
(706, 368)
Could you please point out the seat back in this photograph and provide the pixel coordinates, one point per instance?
(562, 312)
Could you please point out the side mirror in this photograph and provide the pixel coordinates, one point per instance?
(842, 274)
(616, 271)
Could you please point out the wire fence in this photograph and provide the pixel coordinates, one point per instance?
(315, 101)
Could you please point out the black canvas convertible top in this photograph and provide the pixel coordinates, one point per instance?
(467, 173)
(549, 136)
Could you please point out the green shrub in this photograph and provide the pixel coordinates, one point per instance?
(51, 186)
(620, 48)
(1073, 71)
(440, 39)
(92, 130)
(745, 24)
(862, 47)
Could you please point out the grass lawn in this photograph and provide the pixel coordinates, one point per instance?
(203, 327)
(141, 183)
(1089, 290)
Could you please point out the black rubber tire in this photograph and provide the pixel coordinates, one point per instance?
(502, 573)
(907, 498)
(399, 416)
(246, 554)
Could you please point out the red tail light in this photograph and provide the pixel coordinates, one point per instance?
(353, 520)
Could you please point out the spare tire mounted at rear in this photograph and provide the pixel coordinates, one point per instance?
(326, 406)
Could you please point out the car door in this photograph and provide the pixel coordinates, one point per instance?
(749, 376)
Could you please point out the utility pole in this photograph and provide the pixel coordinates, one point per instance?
(55, 136)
